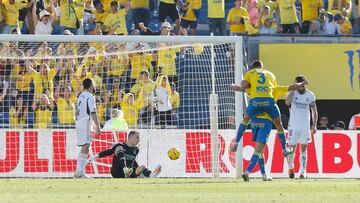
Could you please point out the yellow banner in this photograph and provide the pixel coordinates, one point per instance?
(333, 70)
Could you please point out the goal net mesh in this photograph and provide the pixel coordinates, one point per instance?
(160, 89)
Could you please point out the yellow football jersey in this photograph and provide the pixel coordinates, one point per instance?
(262, 83)
(278, 92)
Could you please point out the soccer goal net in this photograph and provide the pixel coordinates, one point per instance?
(174, 91)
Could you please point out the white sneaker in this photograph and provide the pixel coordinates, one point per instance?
(267, 178)
(84, 176)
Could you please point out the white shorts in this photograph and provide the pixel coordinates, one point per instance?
(83, 132)
(299, 137)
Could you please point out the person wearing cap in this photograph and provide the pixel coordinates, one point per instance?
(165, 29)
(12, 8)
(233, 19)
(141, 12)
(310, 10)
(301, 102)
(339, 125)
(266, 22)
(190, 17)
(115, 23)
(344, 23)
(288, 16)
(117, 121)
(43, 24)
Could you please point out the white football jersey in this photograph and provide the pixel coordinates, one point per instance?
(85, 105)
(300, 110)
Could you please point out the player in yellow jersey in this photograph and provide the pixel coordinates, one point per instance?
(260, 128)
(260, 84)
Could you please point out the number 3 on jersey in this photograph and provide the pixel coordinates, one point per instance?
(262, 78)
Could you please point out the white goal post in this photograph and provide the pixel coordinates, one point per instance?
(214, 60)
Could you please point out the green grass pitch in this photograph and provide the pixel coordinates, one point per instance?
(178, 190)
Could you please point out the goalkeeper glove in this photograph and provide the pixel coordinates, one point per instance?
(127, 172)
(93, 158)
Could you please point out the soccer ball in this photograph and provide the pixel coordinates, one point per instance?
(173, 154)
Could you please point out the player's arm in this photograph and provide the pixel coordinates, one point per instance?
(314, 115)
(289, 98)
(240, 88)
(105, 153)
(92, 107)
(296, 86)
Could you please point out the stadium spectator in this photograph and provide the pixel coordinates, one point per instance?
(235, 18)
(315, 28)
(66, 107)
(145, 86)
(166, 58)
(310, 10)
(117, 121)
(164, 29)
(216, 16)
(43, 111)
(69, 19)
(18, 113)
(267, 3)
(163, 94)
(89, 17)
(253, 11)
(288, 16)
(140, 60)
(167, 8)
(339, 125)
(355, 19)
(297, 28)
(131, 108)
(12, 8)
(115, 22)
(268, 26)
(342, 7)
(117, 64)
(22, 79)
(101, 106)
(190, 16)
(355, 122)
(344, 23)
(141, 12)
(323, 123)
(100, 13)
(95, 76)
(330, 26)
(43, 24)
(4, 91)
(175, 103)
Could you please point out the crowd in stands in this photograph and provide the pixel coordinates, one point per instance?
(41, 82)
(123, 17)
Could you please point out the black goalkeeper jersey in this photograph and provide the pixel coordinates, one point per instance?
(124, 156)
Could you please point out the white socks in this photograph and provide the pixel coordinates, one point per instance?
(291, 160)
(303, 161)
(80, 164)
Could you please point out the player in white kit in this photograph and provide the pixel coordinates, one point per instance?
(301, 101)
(86, 117)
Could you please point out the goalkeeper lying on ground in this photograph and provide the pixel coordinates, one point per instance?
(124, 164)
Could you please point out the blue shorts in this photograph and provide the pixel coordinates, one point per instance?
(261, 129)
(258, 106)
(187, 23)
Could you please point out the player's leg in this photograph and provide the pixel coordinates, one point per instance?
(142, 170)
(82, 161)
(273, 110)
(253, 161)
(293, 138)
(263, 133)
(304, 140)
(240, 132)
